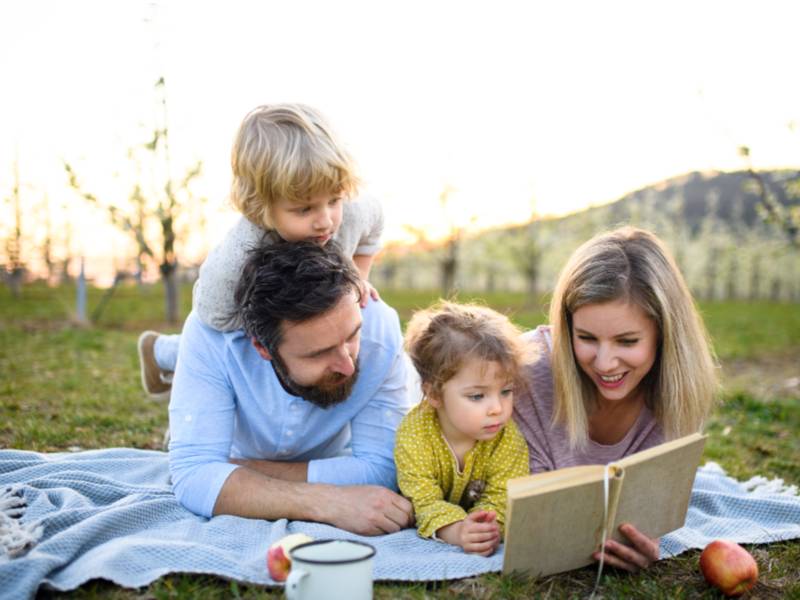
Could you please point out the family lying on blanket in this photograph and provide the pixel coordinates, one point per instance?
(289, 385)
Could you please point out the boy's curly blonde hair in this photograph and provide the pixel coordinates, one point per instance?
(442, 338)
(286, 151)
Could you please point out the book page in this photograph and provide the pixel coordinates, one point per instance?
(658, 485)
(520, 486)
(554, 520)
(558, 529)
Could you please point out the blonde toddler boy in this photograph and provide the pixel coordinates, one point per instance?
(293, 179)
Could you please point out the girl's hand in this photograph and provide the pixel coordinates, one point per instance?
(478, 533)
(367, 292)
(641, 554)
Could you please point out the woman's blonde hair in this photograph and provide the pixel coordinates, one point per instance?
(442, 338)
(633, 265)
(286, 151)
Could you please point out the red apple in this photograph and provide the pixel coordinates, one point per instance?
(278, 561)
(729, 567)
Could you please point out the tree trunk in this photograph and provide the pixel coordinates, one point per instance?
(711, 273)
(15, 282)
(171, 288)
(491, 283)
(775, 290)
(389, 273)
(679, 258)
(64, 276)
(755, 278)
(449, 266)
(532, 279)
(411, 282)
(448, 276)
(139, 275)
(733, 278)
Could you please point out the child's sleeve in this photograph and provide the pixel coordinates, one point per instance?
(509, 460)
(370, 216)
(213, 292)
(418, 481)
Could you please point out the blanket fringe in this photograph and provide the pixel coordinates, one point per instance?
(15, 538)
(758, 485)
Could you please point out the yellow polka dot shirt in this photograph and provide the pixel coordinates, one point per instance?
(428, 475)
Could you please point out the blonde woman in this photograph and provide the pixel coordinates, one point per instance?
(624, 365)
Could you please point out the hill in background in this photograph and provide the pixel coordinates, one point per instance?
(710, 221)
(729, 197)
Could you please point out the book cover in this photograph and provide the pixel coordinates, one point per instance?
(554, 520)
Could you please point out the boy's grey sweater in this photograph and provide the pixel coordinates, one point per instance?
(212, 296)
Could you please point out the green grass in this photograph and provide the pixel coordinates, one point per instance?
(64, 386)
(751, 436)
(737, 329)
(752, 329)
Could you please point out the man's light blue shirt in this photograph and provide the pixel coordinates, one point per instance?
(228, 403)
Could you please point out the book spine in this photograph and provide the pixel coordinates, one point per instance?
(616, 476)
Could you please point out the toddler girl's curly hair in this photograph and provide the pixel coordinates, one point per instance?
(440, 339)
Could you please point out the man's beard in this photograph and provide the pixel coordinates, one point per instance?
(331, 390)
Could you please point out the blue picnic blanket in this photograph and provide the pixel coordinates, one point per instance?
(111, 514)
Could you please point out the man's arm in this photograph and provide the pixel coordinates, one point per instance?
(205, 481)
(201, 418)
(288, 471)
(365, 510)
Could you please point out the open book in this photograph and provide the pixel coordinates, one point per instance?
(554, 520)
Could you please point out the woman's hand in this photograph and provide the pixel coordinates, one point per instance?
(642, 552)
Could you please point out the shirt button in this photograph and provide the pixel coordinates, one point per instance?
(289, 433)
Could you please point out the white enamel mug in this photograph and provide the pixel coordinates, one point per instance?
(330, 569)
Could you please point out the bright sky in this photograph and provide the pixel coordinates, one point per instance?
(563, 103)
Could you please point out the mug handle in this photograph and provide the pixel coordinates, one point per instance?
(292, 587)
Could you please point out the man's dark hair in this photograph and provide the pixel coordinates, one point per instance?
(291, 281)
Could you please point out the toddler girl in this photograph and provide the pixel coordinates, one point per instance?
(457, 448)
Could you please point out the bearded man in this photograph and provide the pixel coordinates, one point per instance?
(293, 416)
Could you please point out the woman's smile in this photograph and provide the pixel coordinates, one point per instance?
(615, 344)
(611, 381)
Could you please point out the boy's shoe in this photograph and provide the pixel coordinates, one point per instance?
(155, 381)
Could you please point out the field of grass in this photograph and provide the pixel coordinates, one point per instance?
(67, 387)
